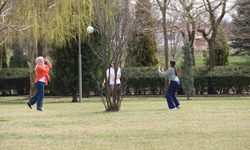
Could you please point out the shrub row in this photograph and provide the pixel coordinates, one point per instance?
(221, 80)
(15, 81)
(145, 80)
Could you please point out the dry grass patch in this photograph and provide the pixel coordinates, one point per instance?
(202, 123)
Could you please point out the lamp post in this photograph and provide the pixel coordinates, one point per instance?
(80, 57)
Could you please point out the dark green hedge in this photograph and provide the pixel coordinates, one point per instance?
(14, 80)
(223, 79)
(145, 80)
(220, 80)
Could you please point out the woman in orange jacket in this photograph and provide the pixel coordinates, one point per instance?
(42, 78)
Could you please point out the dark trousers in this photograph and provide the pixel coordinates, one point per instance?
(170, 95)
(118, 92)
(38, 97)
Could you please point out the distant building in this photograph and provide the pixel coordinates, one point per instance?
(200, 41)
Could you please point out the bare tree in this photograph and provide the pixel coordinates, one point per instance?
(163, 4)
(114, 21)
(216, 9)
(186, 14)
(175, 44)
(175, 38)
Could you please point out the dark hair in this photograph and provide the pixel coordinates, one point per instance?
(111, 63)
(172, 62)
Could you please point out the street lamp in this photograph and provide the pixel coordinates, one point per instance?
(80, 58)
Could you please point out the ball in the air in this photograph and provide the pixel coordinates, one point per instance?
(90, 29)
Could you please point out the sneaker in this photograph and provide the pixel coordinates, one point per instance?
(29, 105)
(172, 108)
(39, 109)
(179, 107)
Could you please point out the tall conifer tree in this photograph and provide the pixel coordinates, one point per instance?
(221, 49)
(4, 59)
(143, 46)
(65, 68)
(241, 26)
(186, 75)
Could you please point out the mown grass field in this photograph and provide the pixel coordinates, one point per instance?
(233, 60)
(143, 123)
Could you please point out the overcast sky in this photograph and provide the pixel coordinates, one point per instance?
(227, 15)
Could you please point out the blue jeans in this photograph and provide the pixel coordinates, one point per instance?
(38, 97)
(170, 95)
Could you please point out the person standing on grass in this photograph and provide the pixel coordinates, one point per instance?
(112, 81)
(42, 78)
(172, 73)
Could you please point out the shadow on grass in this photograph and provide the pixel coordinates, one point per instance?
(104, 112)
(11, 100)
(239, 63)
(163, 109)
(14, 102)
(131, 111)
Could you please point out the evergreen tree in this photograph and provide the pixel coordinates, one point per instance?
(186, 75)
(65, 69)
(221, 50)
(143, 51)
(4, 59)
(18, 60)
(142, 47)
(241, 27)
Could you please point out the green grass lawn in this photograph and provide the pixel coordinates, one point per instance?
(216, 123)
(233, 60)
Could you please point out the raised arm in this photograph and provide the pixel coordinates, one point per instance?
(164, 74)
(107, 72)
(49, 64)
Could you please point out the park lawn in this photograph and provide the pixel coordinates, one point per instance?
(233, 60)
(143, 123)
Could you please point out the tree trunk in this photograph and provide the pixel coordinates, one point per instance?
(165, 32)
(1, 56)
(32, 70)
(74, 97)
(40, 47)
(1, 60)
(191, 40)
(211, 54)
(193, 59)
(191, 34)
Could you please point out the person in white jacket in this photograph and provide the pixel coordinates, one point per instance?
(112, 80)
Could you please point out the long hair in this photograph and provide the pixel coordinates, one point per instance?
(112, 61)
(172, 62)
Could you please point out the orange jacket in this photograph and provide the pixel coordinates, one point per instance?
(40, 73)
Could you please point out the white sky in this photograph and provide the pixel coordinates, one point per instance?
(227, 15)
